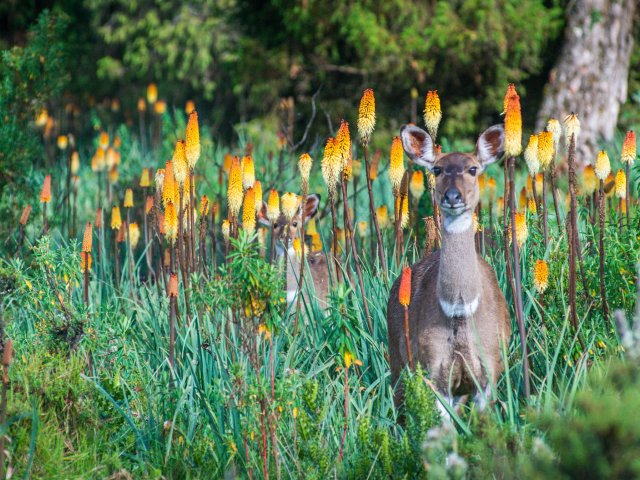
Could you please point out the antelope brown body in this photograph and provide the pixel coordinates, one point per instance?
(458, 316)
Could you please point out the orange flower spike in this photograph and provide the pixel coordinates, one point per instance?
(249, 212)
(404, 294)
(234, 189)
(511, 91)
(541, 276)
(257, 193)
(396, 167)
(152, 93)
(169, 187)
(180, 163)
(513, 127)
(116, 218)
(173, 285)
(343, 138)
(87, 239)
(248, 172)
(273, 206)
(192, 140)
(629, 148)
(45, 193)
(24, 218)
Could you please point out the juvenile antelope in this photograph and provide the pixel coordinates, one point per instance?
(284, 232)
(458, 317)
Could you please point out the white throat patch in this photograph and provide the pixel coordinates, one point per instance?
(459, 224)
(453, 310)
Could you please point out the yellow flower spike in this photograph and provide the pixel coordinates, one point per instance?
(522, 232)
(343, 139)
(189, 107)
(383, 216)
(75, 163)
(571, 127)
(116, 218)
(603, 166)
(257, 192)
(142, 105)
(531, 156)
(103, 141)
(513, 127)
(226, 229)
(249, 212)
(621, 184)
(152, 93)
(304, 166)
(555, 128)
(171, 222)
(297, 248)
(273, 206)
(629, 148)
(416, 186)
(248, 172)
(169, 187)
(63, 142)
(404, 214)
(128, 198)
(179, 162)
(432, 113)
(531, 205)
(540, 276)
(87, 238)
(290, 204)
(362, 228)
(396, 167)
(589, 180)
(134, 234)
(331, 166)
(347, 172)
(226, 162)
(192, 140)
(316, 242)
(98, 161)
(110, 157)
(234, 190)
(204, 206)
(160, 107)
(609, 185)
(145, 179)
(366, 116)
(545, 149)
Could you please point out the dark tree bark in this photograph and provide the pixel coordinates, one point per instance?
(590, 76)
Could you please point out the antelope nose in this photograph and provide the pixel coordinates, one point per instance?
(453, 196)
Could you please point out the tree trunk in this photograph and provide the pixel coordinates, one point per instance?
(590, 76)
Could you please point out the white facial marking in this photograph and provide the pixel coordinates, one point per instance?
(458, 224)
(453, 310)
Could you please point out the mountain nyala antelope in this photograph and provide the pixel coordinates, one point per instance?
(458, 316)
(284, 234)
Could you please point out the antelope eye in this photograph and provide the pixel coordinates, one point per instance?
(473, 171)
(275, 225)
(295, 224)
(437, 171)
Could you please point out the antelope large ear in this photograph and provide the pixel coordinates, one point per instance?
(418, 144)
(310, 208)
(490, 146)
(262, 215)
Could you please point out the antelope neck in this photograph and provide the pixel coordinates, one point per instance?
(459, 284)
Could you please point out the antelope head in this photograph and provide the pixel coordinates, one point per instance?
(283, 230)
(456, 191)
